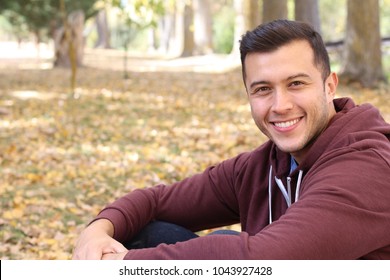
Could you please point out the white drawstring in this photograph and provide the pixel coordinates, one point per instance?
(270, 195)
(286, 192)
(298, 185)
(289, 190)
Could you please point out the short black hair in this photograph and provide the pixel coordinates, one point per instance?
(270, 36)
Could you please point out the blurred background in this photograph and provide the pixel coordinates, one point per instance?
(63, 30)
(98, 98)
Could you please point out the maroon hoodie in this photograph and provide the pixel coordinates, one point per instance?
(341, 209)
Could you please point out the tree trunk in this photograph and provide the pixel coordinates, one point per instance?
(239, 25)
(188, 43)
(103, 30)
(247, 18)
(308, 11)
(166, 27)
(179, 28)
(274, 9)
(362, 55)
(252, 13)
(202, 27)
(152, 39)
(69, 41)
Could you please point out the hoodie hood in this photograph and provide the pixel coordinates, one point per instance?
(352, 125)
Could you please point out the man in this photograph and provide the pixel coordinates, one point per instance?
(318, 189)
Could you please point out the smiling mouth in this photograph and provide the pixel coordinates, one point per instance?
(286, 124)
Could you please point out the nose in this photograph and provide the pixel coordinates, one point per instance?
(282, 102)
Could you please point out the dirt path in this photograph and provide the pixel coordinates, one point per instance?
(28, 56)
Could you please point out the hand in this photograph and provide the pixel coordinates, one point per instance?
(96, 240)
(114, 256)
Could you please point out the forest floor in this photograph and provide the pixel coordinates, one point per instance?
(63, 155)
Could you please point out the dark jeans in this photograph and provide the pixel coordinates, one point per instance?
(159, 232)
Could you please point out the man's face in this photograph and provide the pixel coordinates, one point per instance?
(289, 100)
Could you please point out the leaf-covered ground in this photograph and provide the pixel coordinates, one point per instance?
(64, 156)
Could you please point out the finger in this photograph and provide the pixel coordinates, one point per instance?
(116, 256)
(119, 248)
(108, 256)
(115, 247)
(94, 255)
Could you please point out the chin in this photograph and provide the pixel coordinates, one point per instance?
(289, 149)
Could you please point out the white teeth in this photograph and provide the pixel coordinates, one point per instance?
(286, 124)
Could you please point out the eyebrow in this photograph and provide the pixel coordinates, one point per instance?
(265, 82)
(299, 75)
(255, 83)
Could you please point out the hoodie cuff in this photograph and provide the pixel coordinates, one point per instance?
(117, 219)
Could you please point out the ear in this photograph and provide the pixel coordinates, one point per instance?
(331, 86)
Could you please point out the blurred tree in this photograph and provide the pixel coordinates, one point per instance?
(69, 41)
(223, 28)
(103, 31)
(139, 13)
(202, 27)
(308, 11)
(135, 16)
(253, 15)
(362, 52)
(167, 26)
(36, 15)
(42, 17)
(186, 11)
(332, 18)
(49, 18)
(15, 24)
(247, 17)
(240, 24)
(274, 9)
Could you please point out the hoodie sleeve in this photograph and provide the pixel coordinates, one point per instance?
(200, 202)
(343, 213)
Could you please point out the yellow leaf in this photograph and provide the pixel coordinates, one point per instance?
(50, 241)
(33, 177)
(18, 199)
(13, 214)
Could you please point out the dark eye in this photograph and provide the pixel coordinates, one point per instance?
(296, 83)
(261, 90)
